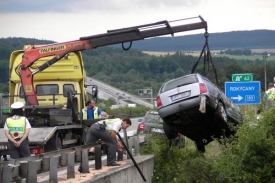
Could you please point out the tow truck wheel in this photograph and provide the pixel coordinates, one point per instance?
(58, 143)
(53, 144)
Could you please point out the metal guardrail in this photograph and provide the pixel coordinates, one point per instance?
(30, 167)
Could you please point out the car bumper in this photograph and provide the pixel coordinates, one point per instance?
(177, 107)
(185, 105)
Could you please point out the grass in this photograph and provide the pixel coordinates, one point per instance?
(215, 54)
(244, 57)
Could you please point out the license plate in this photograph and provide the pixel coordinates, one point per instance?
(181, 95)
(156, 130)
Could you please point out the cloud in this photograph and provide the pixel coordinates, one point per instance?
(19, 6)
(63, 20)
(65, 6)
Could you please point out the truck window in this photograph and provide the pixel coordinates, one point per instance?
(47, 89)
(67, 88)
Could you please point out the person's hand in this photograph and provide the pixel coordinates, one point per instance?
(119, 146)
(16, 144)
(111, 116)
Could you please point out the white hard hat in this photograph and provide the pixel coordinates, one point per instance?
(17, 105)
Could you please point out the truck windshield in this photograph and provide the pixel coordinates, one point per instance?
(47, 89)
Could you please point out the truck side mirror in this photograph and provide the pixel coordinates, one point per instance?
(94, 91)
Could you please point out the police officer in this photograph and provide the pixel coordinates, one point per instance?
(17, 129)
(92, 112)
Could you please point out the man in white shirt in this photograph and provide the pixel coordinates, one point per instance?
(106, 130)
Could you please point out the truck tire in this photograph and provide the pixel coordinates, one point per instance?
(221, 113)
(58, 143)
(53, 144)
(169, 131)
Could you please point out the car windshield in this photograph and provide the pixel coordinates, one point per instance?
(179, 82)
(152, 118)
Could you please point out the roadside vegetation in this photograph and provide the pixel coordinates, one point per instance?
(247, 157)
(122, 112)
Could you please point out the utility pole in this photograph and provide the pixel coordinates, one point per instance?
(265, 57)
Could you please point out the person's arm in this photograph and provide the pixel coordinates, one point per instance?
(102, 113)
(8, 135)
(118, 143)
(114, 132)
(25, 135)
(27, 131)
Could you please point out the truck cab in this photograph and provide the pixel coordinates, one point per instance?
(61, 94)
(52, 84)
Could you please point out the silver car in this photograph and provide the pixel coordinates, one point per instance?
(193, 106)
(153, 124)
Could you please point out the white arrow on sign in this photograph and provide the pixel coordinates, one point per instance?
(237, 98)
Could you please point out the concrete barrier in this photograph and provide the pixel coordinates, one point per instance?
(31, 167)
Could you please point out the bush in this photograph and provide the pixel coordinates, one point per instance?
(249, 157)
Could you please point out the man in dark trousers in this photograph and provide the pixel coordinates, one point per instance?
(106, 130)
(17, 129)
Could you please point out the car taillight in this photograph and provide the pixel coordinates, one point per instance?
(141, 126)
(159, 103)
(36, 151)
(203, 88)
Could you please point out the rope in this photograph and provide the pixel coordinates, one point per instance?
(207, 57)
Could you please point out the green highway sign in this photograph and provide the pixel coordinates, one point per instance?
(242, 77)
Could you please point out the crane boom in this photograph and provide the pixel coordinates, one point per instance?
(59, 50)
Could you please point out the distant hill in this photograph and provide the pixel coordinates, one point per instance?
(217, 41)
(237, 39)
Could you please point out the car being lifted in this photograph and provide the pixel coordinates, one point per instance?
(193, 106)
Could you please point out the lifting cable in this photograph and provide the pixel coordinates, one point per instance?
(207, 57)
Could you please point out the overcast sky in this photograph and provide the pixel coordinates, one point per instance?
(67, 20)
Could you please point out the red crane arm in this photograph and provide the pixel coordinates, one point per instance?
(111, 37)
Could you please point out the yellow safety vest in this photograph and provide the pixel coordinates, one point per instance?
(85, 114)
(17, 127)
(270, 94)
(109, 121)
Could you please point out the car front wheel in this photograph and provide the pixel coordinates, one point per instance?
(220, 113)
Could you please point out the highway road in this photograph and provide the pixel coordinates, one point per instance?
(131, 130)
(120, 96)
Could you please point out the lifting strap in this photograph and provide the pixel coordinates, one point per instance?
(207, 57)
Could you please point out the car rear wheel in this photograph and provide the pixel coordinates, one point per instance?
(220, 113)
(200, 146)
(169, 131)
